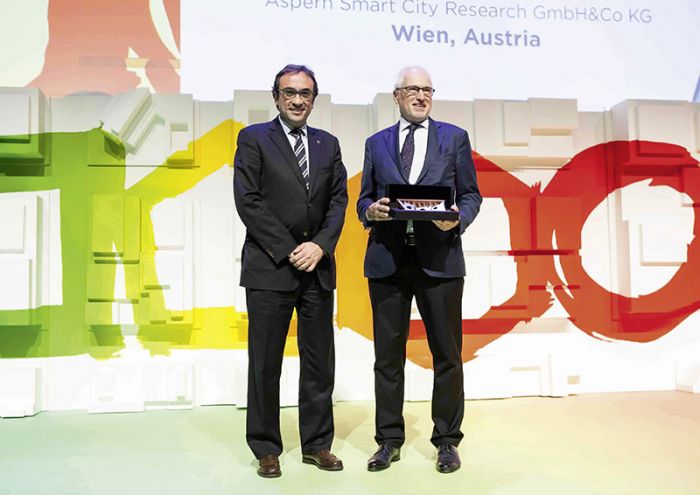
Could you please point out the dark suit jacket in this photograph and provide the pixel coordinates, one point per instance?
(448, 162)
(277, 210)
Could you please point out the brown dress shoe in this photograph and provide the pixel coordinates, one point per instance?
(323, 459)
(269, 466)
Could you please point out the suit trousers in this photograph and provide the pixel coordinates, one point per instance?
(269, 315)
(439, 302)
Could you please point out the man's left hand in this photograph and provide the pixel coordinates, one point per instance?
(446, 225)
(306, 256)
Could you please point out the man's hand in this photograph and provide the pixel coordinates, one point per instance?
(379, 210)
(446, 225)
(306, 256)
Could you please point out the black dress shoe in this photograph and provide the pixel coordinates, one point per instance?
(323, 459)
(447, 459)
(383, 457)
(269, 466)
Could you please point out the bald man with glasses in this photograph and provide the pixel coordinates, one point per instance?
(421, 259)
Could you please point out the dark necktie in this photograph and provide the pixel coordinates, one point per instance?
(408, 150)
(300, 153)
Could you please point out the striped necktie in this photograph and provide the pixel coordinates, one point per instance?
(300, 153)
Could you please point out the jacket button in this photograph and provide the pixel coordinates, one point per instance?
(306, 233)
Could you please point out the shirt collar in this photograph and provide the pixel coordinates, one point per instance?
(403, 124)
(287, 129)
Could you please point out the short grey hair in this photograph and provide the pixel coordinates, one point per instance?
(403, 72)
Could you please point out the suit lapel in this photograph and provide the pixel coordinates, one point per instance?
(280, 139)
(432, 151)
(391, 139)
(314, 156)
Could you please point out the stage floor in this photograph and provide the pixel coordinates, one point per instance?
(632, 443)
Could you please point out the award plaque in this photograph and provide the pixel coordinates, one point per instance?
(414, 202)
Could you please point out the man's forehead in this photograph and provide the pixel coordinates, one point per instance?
(418, 77)
(298, 79)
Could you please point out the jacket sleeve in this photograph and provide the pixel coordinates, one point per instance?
(329, 233)
(467, 196)
(368, 188)
(262, 225)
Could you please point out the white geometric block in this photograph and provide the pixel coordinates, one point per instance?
(116, 388)
(459, 113)
(167, 126)
(656, 234)
(384, 112)
(20, 391)
(551, 116)
(675, 122)
(487, 377)
(418, 383)
(215, 376)
(171, 276)
(558, 379)
(354, 376)
(551, 147)
(15, 110)
(488, 120)
(28, 106)
(253, 107)
(477, 300)
(181, 386)
(12, 232)
(240, 364)
(289, 382)
(490, 232)
(527, 379)
(168, 385)
(123, 112)
(322, 116)
(180, 135)
(648, 277)
(171, 219)
(15, 282)
(351, 126)
(21, 284)
(688, 377)
(532, 134)
(664, 123)
(516, 123)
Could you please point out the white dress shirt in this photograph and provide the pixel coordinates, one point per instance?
(293, 140)
(420, 143)
(420, 140)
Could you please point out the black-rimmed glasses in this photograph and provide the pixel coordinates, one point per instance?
(291, 93)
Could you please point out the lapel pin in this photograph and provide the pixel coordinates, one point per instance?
(318, 142)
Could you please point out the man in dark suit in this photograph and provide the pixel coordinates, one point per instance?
(290, 187)
(417, 258)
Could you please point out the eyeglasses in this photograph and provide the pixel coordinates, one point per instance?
(414, 90)
(291, 93)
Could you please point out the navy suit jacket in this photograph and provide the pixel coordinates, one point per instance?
(448, 162)
(278, 211)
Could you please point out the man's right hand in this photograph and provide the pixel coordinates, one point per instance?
(379, 210)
